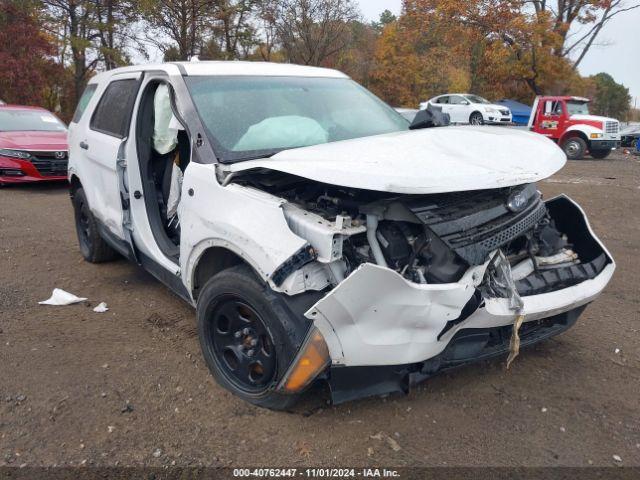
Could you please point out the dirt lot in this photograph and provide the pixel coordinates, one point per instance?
(67, 374)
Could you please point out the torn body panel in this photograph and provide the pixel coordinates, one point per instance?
(377, 317)
(255, 228)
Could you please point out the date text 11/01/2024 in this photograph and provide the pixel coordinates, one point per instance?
(316, 472)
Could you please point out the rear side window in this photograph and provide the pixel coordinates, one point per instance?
(83, 102)
(113, 113)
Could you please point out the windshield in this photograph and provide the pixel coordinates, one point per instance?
(476, 99)
(29, 120)
(253, 117)
(577, 108)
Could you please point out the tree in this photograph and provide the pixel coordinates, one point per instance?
(25, 55)
(267, 19)
(609, 98)
(72, 22)
(235, 29)
(567, 16)
(357, 59)
(184, 22)
(311, 31)
(386, 17)
(114, 23)
(497, 43)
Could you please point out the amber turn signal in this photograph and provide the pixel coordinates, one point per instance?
(310, 361)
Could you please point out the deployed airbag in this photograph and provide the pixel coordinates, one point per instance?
(165, 127)
(288, 131)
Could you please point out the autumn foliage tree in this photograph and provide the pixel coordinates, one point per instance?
(496, 48)
(25, 55)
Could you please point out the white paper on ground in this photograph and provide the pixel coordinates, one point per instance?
(60, 297)
(100, 308)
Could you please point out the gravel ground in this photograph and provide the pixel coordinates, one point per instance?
(129, 386)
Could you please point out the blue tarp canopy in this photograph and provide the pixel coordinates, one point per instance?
(520, 111)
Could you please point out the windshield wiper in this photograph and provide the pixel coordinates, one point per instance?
(257, 156)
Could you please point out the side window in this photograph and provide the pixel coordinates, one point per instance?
(552, 107)
(113, 114)
(456, 100)
(83, 102)
(443, 99)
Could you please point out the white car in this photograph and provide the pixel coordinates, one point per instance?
(468, 108)
(317, 236)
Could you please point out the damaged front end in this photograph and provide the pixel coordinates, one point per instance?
(419, 283)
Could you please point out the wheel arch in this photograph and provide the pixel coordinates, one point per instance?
(474, 112)
(211, 261)
(581, 131)
(74, 184)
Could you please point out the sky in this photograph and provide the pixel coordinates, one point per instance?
(617, 53)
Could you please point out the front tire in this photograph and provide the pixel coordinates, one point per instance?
(600, 154)
(574, 148)
(476, 118)
(92, 246)
(246, 334)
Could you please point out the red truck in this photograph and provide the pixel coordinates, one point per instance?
(567, 121)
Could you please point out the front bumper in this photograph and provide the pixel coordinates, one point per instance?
(22, 171)
(498, 118)
(377, 318)
(604, 144)
(467, 346)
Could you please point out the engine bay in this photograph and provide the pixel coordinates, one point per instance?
(435, 239)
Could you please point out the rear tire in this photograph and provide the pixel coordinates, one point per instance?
(574, 148)
(92, 246)
(476, 118)
(245, 331)
(600, 154)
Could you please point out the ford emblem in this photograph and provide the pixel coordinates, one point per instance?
(517, 201)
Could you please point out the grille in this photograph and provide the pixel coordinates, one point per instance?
(612, 127)
(48, 164)
(514, 230)
(476, 223)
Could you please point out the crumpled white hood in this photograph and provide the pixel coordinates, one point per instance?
(433, 160)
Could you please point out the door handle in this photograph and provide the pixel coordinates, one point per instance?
(84, 145)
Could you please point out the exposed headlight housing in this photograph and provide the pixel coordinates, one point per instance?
(490, 110)
(14, 154)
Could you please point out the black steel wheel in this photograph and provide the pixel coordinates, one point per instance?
(92, 246)
(249, 336)
(242, 344)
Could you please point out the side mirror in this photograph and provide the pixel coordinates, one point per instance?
(464, 102)
(430, 117)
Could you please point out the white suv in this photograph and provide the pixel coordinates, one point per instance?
(317, 233)
(468, 108)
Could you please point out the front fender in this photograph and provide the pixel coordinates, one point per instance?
(584, 129)
(248, 222)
